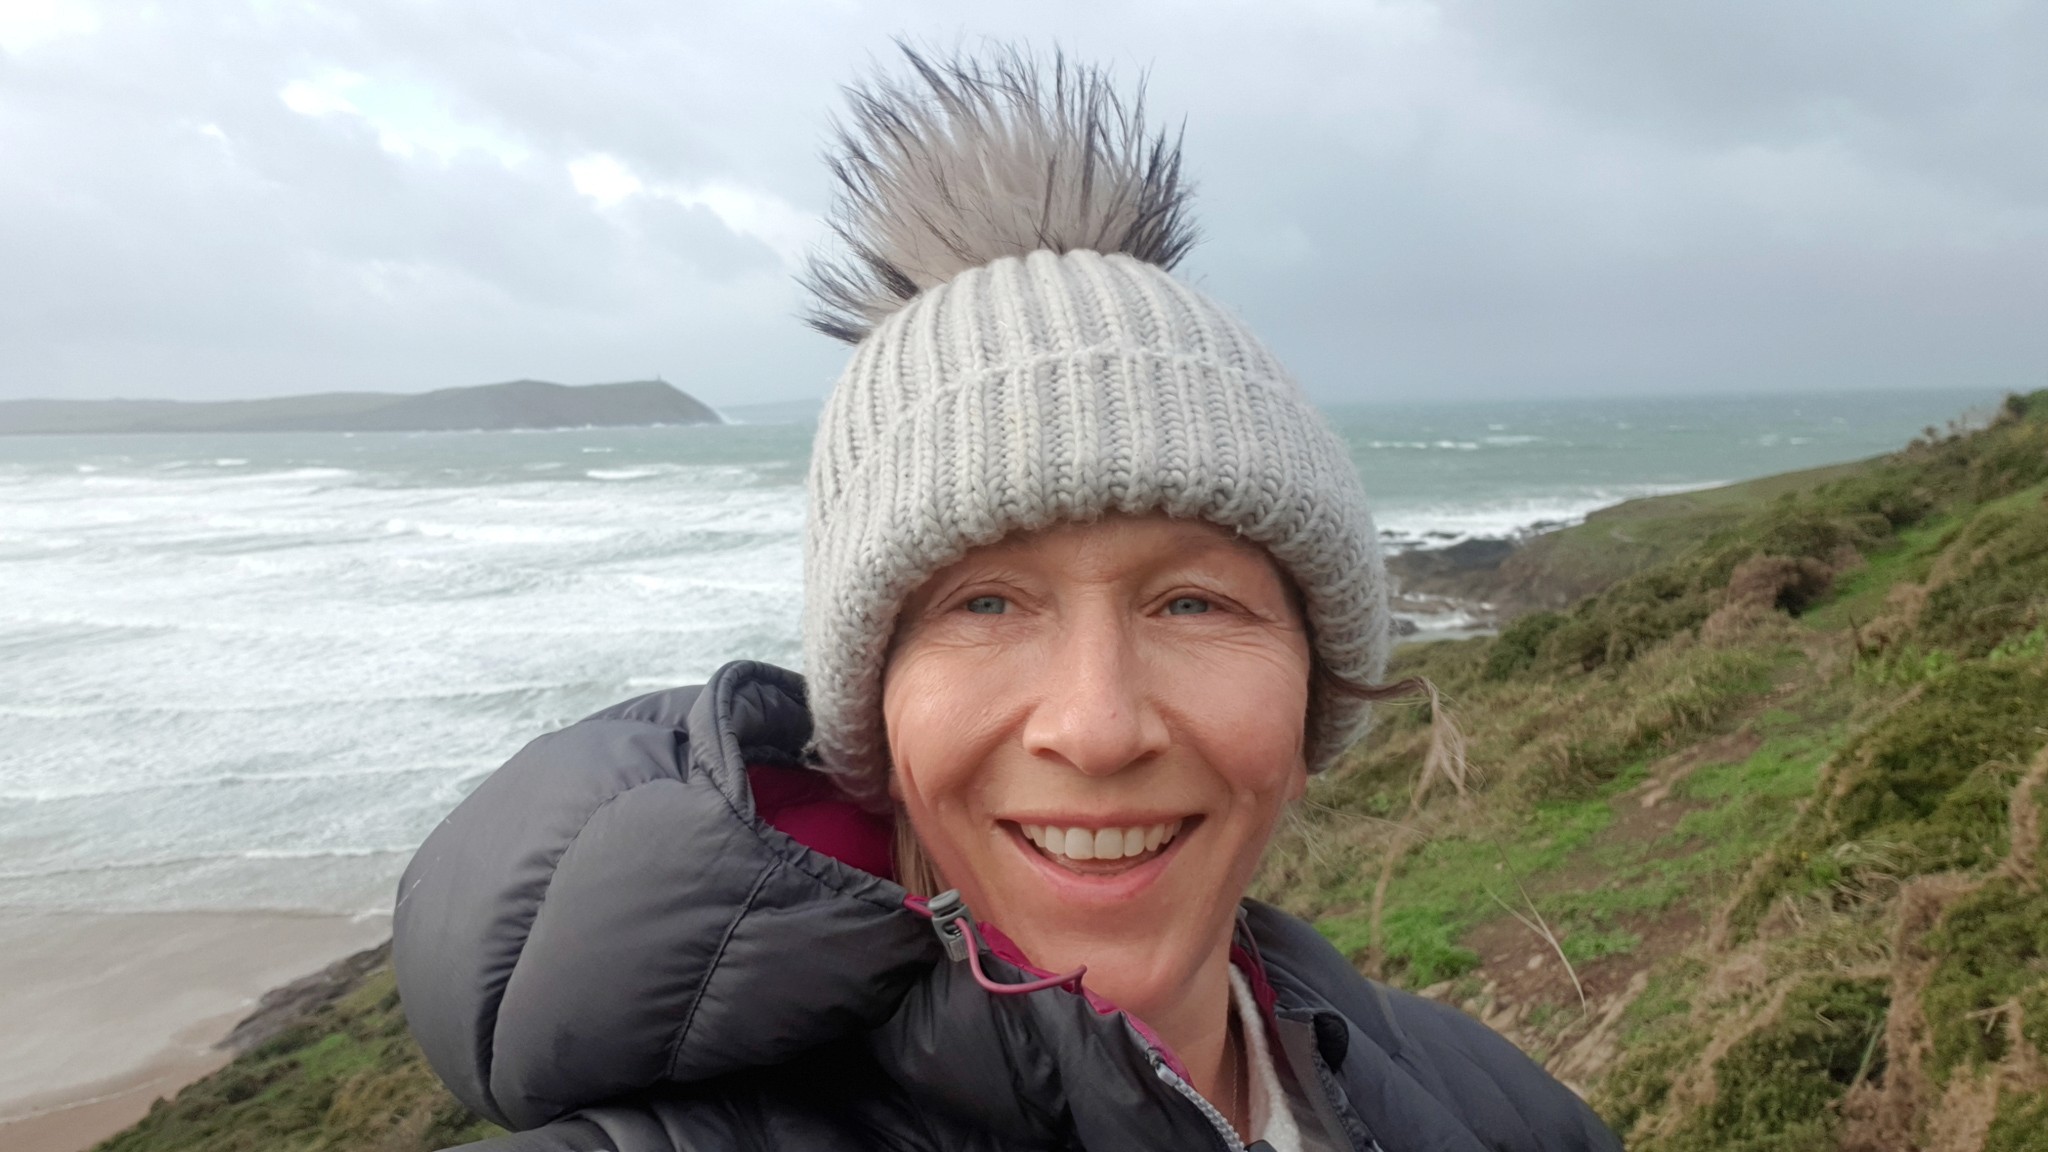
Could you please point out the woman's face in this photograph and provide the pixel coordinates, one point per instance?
(1095, 729)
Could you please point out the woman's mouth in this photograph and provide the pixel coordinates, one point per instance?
(1099, 851)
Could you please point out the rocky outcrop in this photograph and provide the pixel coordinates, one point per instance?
(283, 1007)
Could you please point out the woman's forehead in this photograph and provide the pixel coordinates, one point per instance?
(1121, 541)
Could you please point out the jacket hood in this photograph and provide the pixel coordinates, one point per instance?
(642, 923)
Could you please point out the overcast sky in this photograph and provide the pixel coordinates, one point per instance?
(206, 198)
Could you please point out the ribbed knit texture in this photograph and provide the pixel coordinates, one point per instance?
(1033, 391)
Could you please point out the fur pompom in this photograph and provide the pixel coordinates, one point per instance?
(972, 161)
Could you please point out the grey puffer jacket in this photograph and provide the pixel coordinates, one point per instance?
(657, 931)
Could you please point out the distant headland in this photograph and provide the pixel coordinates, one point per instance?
(520, 404)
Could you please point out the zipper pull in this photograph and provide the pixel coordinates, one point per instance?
(955, 926)
(952, 921)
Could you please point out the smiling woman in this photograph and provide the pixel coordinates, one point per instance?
(1090, 590)
(1094, 730)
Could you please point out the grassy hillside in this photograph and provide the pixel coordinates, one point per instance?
(1557, 569)
(1749, 853)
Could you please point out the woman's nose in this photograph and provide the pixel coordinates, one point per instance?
(1094, 711)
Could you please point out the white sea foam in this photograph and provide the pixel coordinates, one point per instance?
(308, 474)
(94, 791)
(251, 680)
(1434, 525)
(325, 853)
(500, 533)
(165, 862)
(386, 647)
(1438, 618)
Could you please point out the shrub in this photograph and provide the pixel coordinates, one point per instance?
(1774, 1088)
(1932, 773)
(1993, 945)
(2001, 590)
(1517, 645)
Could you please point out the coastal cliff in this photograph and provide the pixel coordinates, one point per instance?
(517, 404)
(1749, 851)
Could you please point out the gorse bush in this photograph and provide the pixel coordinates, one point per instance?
(1996, 586)
(1774, 1089)
(1993, 949)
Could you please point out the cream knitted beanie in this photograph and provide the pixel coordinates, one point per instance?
(1022, 358)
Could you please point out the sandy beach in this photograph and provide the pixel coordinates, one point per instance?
(105, 1013)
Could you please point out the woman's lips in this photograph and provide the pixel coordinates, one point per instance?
(1101, 853)
(1067, 845)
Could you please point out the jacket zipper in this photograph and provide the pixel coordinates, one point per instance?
(1319, 1082)
(1216, 1119)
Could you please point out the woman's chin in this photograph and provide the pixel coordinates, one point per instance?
(1138, 974)
(1121, 922)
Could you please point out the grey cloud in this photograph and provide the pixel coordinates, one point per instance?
(1473, 197)
(1565, 201)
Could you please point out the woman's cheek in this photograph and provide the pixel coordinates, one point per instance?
(1249, 715)
(936, 709)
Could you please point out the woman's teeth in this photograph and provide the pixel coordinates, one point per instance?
(1100, 843)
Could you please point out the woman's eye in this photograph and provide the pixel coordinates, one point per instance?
(1186, 606)
(988, 605)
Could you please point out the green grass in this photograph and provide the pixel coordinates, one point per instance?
(1780, 770)
(1592, 944)
(1447, 887)
(1453, 884)
(2021, 1124)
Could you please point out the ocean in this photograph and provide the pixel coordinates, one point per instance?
(250, 672)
